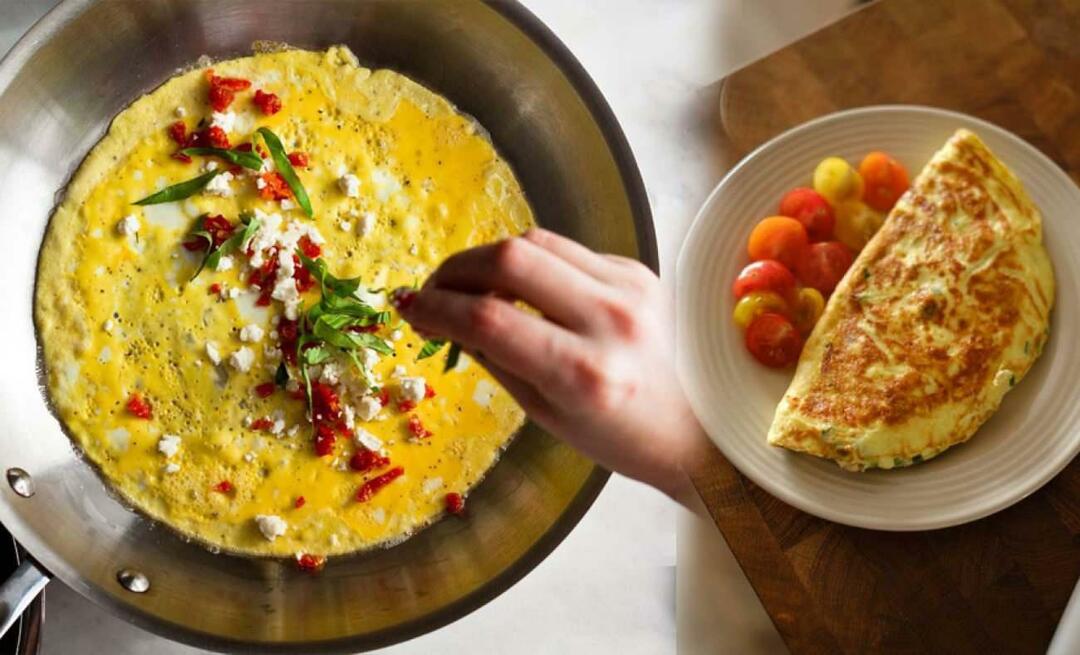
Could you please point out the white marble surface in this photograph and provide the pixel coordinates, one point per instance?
(611, 586)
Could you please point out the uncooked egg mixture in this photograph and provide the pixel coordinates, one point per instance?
(214, 300)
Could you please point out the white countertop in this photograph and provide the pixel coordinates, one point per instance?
(657, 62)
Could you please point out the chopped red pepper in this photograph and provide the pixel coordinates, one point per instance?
(214, 288)
(243, 147)
(324, 439)
(299, 159)
(178, 133)
(274, 187)
(181, 157)
(384, 397)
(364, 460)
(288, 332)
(455, 504)
(310, 563)
(223, 90)
(139, 407)
(429, 391)
(326, 406)
(224, 487)
(265, 390)
(268, 103)
(417, 429)
(309, 247)
(372, 486)
(299, 502)
(303, 277)
(264, 278)
(217, 137)
(406, 406)
(220, 230)
(263, 423)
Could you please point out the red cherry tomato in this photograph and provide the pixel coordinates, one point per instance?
(886, 180)
(773, 341)
(812, 210)
(778, 237)
(824, 266)
(766, 275)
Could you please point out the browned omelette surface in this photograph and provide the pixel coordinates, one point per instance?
(942, 313)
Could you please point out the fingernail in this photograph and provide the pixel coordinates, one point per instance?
(402, 298)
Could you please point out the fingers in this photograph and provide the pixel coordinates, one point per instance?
(523, 344)
(572, 252)
(534, 404)
(521, 269)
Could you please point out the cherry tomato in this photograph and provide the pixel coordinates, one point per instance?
(808, 308)
(835, 179)
(824, 266)
(885, 178)
(812, 210)
(778, 237)
(757, 303)
(765, 275)
(773, 340)
(856, 223)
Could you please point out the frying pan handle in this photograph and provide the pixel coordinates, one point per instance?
(20, 590)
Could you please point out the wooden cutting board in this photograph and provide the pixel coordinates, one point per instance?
(998, 585)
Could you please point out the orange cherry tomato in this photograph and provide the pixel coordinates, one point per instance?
(812, 210)
(765, 275)
(824, 266)
(773, 340)
(885, 180)
(781, 238)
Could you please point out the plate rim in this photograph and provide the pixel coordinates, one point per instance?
(1025, 487)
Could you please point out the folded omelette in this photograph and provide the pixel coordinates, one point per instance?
(942, 313)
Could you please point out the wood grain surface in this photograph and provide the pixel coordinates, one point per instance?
(998, 585)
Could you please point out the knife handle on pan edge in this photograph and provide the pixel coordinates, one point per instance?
(20, 590)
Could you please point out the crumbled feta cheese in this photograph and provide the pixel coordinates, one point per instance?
(293, 430)
(285, 291)
(414, 250)
(213, 353)
(181, 112)
(368, 408)
(345, 226)
(210, 166)
(168, 445)
(172, 467)
(398, 372)
(413, 389)
(396, 335)
(350, 416)
(248, 420)
(369, 358)
(225, 263)
(251, 333)
(368, 440)
(271, 526)
(483, 393)
(278, 427)
(287, 204)
(234, 293)
(242, 359)
(108, 325)
(366, 223)
(220, 185)
(260, 184)
(431, 485)
(224, 120)
(249, 457)
(349, 185)
(128, 225)
(378, 515)
(330, 374)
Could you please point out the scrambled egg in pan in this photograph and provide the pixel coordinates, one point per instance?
(942, 313)
(255, 404)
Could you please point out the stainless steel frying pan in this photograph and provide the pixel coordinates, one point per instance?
(59, 88)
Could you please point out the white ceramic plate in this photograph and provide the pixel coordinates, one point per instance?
(1030, 439)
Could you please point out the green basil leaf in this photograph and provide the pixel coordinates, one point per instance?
(452, 357)
(328, 328)
(179, 191)
(331, 286)
(248, 160)
(365, 340)
(430, 348)
(365, 375)
(316, 355)
(281, 160)
(237, 241)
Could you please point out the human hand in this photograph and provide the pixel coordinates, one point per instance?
(597, 369)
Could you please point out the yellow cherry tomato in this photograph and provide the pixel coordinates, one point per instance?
(808, 308)
(837, 180)
(755, 304)
(856, 223)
